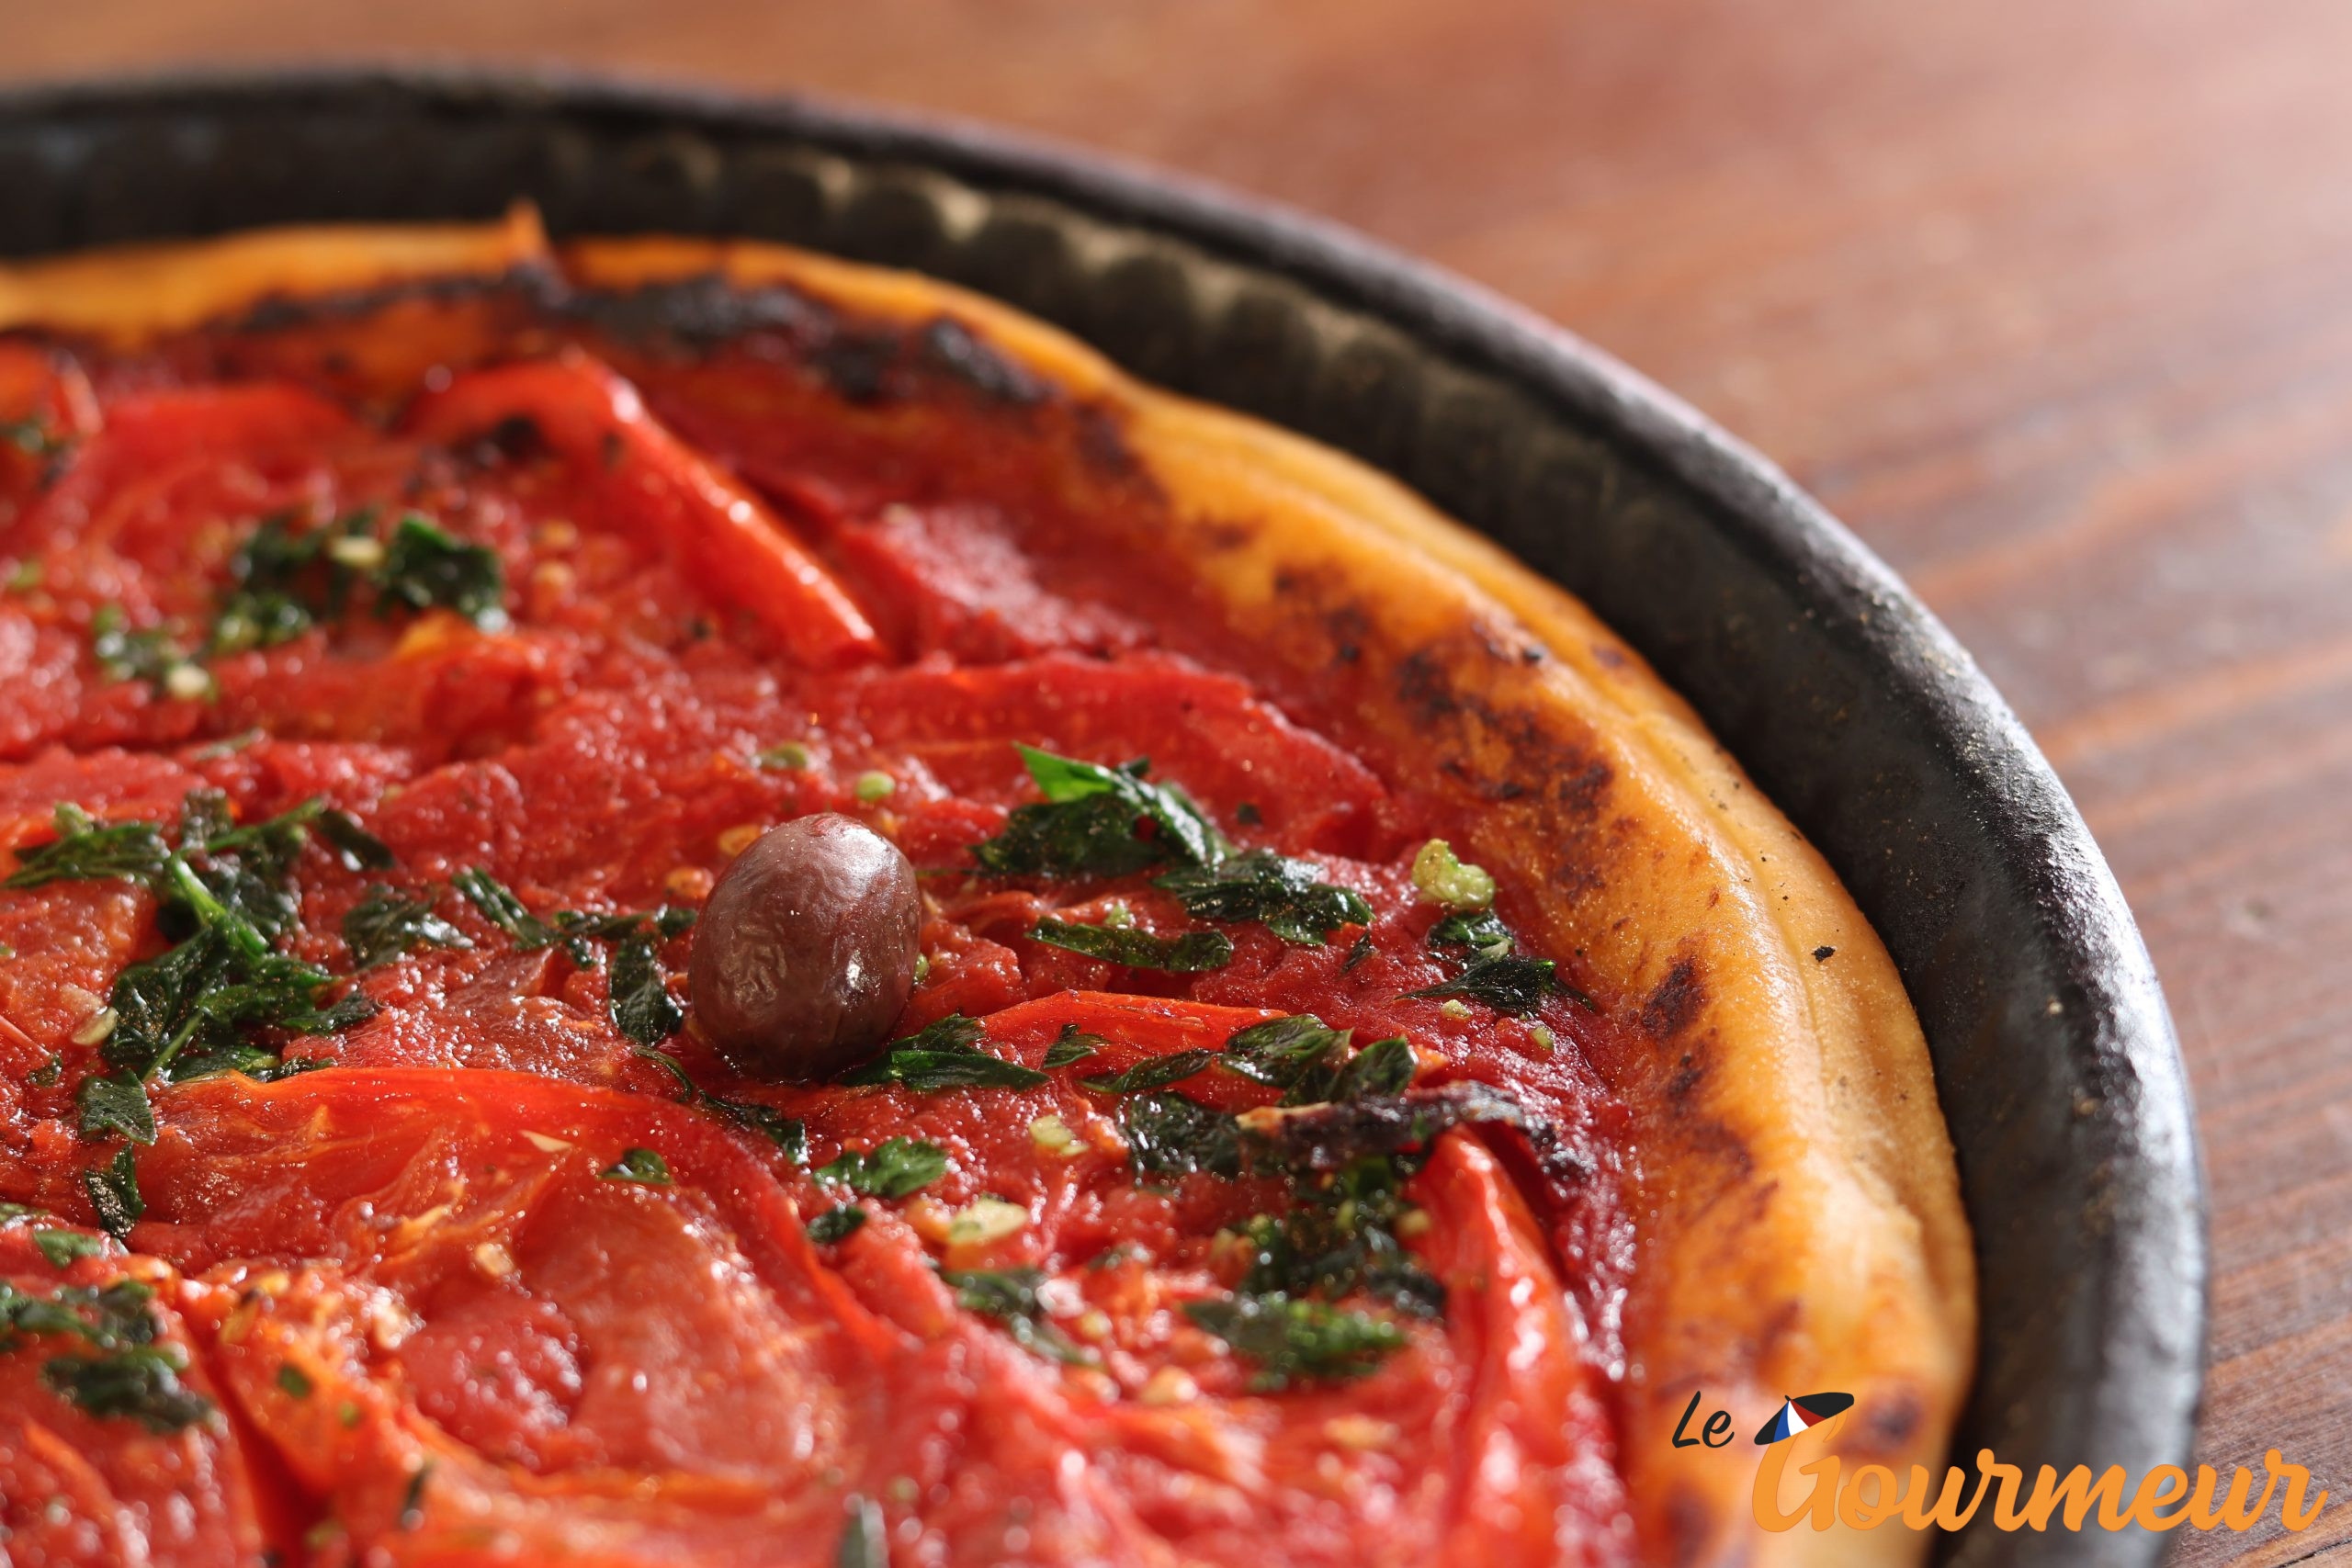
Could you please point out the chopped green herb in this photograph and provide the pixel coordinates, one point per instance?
(1441, 878)
(502, 909)
(84, 849)
(791, 756)
(117, 1102)
(1088, 823)
(892, 1168)
(874, 786)
(1169, 1134)
(35, 436)
(1358, 951)
(358, 849)
(1284, 895)
(386, 924)
(1157, 1072)
(61, 1247)
(642, 1005)
(1292, 1340)
(412, 1512)
(1481, 930)
(1072, 1045)
(48, 1073)
(139, 1383)
(1383, 1068)
(123, 1373)
(114, 1193)
(944, 1054)
(786, 1132)
(149, 654)
(865, 1542)
(836, 1226)
(1297, 1055)
(1340, 1238)
(1509, 982)
(184, 1012)
(1191, 953)
(425, 569)
(294, 1381)
(1009, 1295)
(643, 1166)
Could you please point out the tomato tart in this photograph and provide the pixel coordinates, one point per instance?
(672, 902)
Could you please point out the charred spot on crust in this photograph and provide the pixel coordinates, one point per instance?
(1687, 1074)
(1670, 1008)
(948, 346)
(280, 313)
(1422, 687)
(700, 311)
(1581, 791)
(1102, 441)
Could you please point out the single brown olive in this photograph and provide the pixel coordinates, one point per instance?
(805, 951)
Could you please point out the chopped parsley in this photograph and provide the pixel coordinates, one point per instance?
(1191, 953)
(1292, 1340)
(787, 1133)
(645, 1166)
(1507, 982)
(121, 1372)
(114, 1193)
(1009, 1295)
(387, 924)
(1480, 930)
(1092, 822)
(1072, 1045)
(1156, 1072)
(294, 1381)
(189, 1011)
(836, 1226)
(1169, 1134)
(642, 1005)
(866, 1540)
(944, 1054)
(1295, 1054)
(1383, 1068)
(425, 567)
(1340, 1238)
(1284, 895)
(61, 1247)
(892, 1168)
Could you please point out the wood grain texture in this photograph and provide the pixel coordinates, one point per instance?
(2053, 303)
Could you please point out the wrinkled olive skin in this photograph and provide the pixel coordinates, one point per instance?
(805, 951)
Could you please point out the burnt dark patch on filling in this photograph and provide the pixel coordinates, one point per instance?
(1670, 1009)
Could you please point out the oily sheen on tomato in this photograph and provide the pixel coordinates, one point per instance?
(644, 943)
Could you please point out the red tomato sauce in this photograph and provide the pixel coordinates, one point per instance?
(756, 560)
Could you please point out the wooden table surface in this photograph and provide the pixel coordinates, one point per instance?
(2051, 302)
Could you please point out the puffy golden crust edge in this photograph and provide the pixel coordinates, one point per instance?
(1795, 1201)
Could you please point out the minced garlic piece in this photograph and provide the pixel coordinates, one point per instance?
(1052, 1135)
(984, 1220)
(1440, 879)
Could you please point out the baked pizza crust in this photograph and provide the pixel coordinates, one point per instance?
(1792, 1189)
